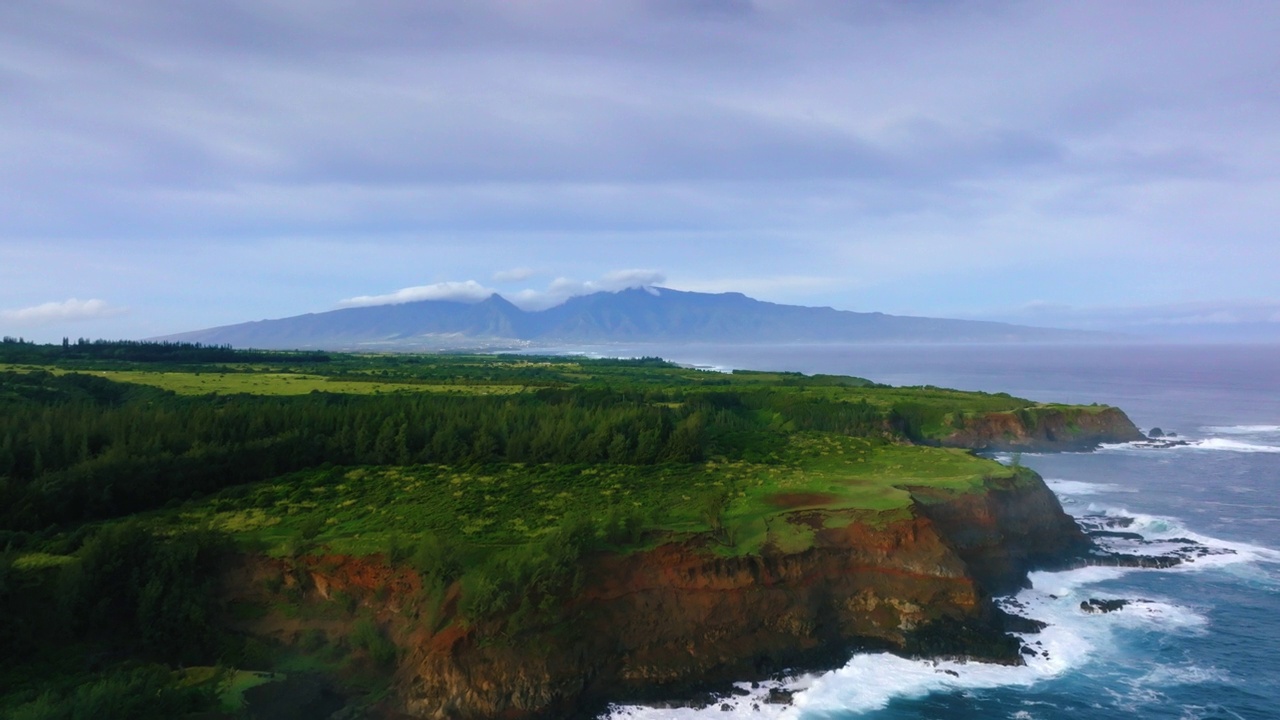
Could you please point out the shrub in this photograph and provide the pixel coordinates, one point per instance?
(530, 583)
(141, 693)
(436, 560)
(368, 636)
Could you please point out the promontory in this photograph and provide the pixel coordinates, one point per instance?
(274, 534)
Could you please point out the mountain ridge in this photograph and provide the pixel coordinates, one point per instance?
(634, 315)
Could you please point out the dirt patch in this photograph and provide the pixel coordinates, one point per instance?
(795, 500)
(812, 520)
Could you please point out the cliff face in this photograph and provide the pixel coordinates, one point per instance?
(676, 618)
(1014, 527)
(668, 621)
(1047, 428)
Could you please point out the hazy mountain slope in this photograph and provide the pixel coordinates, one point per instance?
(635, 315)
(491, 318)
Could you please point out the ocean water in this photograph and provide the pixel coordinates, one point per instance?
(1197, 641)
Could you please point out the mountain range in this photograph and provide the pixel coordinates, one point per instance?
(636, 315)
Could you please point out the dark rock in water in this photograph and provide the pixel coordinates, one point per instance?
(1020, 624)
(1116, 534)
(1171, 434)
(1161, 443)
(969, 638)
(1151, 562)
(725, 707)
(696, 700)
(780, 697)
(740, 691)
(952, 673)
(1121, 521)
(1155, 433)
(1096, 606)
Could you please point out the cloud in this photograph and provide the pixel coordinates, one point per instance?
(563, 288)
(468, 291)
(1106, 152)
(559, 290)
(68, 310)
(514, 275)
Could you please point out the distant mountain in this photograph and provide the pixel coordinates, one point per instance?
(637, 315)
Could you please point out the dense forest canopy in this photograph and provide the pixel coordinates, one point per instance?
(76, 447)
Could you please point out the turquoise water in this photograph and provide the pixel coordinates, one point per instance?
(1197, 641)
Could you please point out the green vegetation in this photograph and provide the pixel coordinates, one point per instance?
(130, 473)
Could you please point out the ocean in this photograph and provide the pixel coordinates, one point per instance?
(1197, 641)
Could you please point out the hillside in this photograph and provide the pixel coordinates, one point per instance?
(637, 315)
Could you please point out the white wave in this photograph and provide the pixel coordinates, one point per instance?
(1233, 446)
(754, 704)
(1166, 533)
(1167, 675)
(1211, 444)
(1079, 487)
(1243, 429)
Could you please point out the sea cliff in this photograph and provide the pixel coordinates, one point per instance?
(679, 618)
(682, 614)
(1042, 428)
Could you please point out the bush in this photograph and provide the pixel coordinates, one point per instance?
(159, 592)
(141, 693)
(528, 584)
(368, 636)
(437, 561)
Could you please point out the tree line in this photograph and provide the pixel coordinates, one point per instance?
(19, 350)
(76, 448)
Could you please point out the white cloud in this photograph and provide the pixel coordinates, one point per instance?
(465, 291)
(560, 289)
(514, 275)
(68, 310)
(563, 288)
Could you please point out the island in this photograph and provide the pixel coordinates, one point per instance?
(228, 533)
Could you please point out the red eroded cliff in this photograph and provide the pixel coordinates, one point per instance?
(1043, 428)
(669, 621)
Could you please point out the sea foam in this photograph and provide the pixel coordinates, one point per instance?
(1206, 444)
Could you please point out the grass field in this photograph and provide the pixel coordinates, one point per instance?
(274, 383)
(367, 510)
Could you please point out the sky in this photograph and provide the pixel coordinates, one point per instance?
(172, 166)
